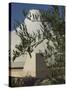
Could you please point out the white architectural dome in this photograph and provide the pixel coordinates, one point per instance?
(34, 15)
(33, 22)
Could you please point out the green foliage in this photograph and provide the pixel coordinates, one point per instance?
(31, 81)
(54, 23)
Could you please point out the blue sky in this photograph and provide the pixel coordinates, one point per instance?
(17, 8)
